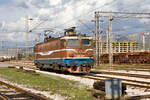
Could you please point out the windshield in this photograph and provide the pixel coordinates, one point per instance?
(74, 43)
(85, 42)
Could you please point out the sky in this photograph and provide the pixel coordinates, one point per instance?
(61, 14)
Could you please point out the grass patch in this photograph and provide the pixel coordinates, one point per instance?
(71, 89)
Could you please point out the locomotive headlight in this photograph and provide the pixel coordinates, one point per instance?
(71, 55)
(90, 55)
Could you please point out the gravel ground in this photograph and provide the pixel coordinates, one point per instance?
(134, 91)
(131, 91)
(130, 72)
(85, 81)
(2, 64)
(126, 77)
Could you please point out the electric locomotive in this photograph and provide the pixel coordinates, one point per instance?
(71, 52)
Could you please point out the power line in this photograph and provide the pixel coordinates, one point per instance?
(123, 12)
(111, 18)
(128, 17)
(27, 37)
(44, 20)
(91, 30)
(38, 25)
(106, 4)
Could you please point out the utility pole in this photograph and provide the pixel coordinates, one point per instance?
(27, 36)
(143, 42)
(115, 15)
(110, 41)
(107, 41)
(97, 41)
(1, 47)
(7, 51)
(16, 52)
(143, 39)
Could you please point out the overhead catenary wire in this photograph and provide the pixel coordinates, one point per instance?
(128, 17)
(38, 25)
(111, 17)
(91, 11)
(45, 20)
(133, 13)
(91, 30)
(72, 18)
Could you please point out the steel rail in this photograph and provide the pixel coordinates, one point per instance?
(36, 96)
(124, 74)
(135, 83)
(96, 77)
(3, 97)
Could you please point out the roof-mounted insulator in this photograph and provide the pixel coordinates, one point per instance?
(70, 31)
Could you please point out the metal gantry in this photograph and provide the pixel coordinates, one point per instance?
(111, 16)
(98, 44)
(27, 36)
(97, 39)
(110, 41)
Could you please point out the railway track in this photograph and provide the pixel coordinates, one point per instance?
(132, 83)
(123, 74)
(135, 83)
(10, 92)
(144, 67)
(97, 76)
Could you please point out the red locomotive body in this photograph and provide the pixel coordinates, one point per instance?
(71, 53)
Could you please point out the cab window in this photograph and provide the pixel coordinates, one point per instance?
(73, 43)
(85, 42)
(63, 43)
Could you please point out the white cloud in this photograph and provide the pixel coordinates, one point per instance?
(43, 11)
(62, 13)
(19, 25)
(3, 24)
(55, 2)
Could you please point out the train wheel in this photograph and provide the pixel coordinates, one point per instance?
(55, 66)
(42, 67)
(38, 65)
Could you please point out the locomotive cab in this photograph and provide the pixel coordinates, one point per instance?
(79, 57)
